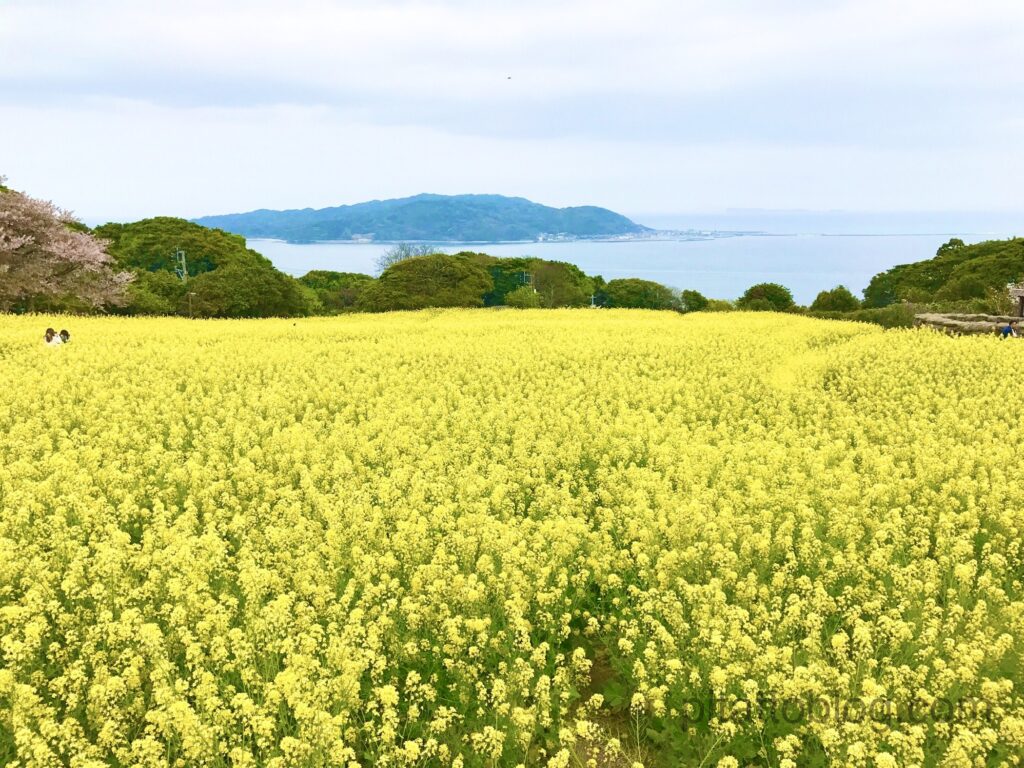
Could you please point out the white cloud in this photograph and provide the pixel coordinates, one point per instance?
(132, 160)
(462, 49)
(201, 106)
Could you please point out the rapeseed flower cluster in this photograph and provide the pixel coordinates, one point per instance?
(478, 538)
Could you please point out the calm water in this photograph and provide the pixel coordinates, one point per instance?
(720, 268)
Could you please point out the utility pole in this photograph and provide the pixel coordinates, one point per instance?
(527, 279)
(181, 267)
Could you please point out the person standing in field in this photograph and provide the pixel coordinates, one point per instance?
(1009, 330)
(51, 339)
(65, 337)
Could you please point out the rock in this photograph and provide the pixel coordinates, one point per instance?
(963, 324)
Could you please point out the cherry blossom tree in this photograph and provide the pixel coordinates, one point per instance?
(46, 256)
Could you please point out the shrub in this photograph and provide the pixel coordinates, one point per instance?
(719, 305)
(756, 305)
(893, 316)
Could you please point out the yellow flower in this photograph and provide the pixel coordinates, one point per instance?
(400, 538)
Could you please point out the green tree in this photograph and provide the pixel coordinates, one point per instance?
(693, 301)
(559, 284)
(155, 293)
(951, 273)
(239, 290)
(839, 299)
(246, 283)
(882, 291)
(766, 297)
(506, 274)
(150, 245)
(439, 280)
(951, 245)
(562, 285)
(639, 294)
(523, 297)
(960, 288)
(336, 291)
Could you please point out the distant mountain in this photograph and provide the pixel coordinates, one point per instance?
(435, 218)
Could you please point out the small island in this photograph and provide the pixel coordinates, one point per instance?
(435, 219)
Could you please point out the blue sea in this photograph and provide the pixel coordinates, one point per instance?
(720, 267)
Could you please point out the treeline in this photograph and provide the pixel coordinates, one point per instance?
(470, 279)
(220, 276)
(170, 266)
(225, 278)
(961, 278)
(968, 277)
(51, 262)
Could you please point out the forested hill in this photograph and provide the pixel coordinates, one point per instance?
(958, 272)
(434, 218)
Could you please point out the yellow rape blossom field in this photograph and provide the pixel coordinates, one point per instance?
(483, 538)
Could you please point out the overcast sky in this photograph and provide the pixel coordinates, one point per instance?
(128, 108)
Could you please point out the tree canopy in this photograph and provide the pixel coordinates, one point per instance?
(242, 290)
(337, 291)
(507, 275)
(957, 271)
(150, 245)
(766, 297)
(639, 294)
(692, 301)
(523, 297)
(561, 284)
(225, 278)
(438, 280)
(558, 284)
(839, 299)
